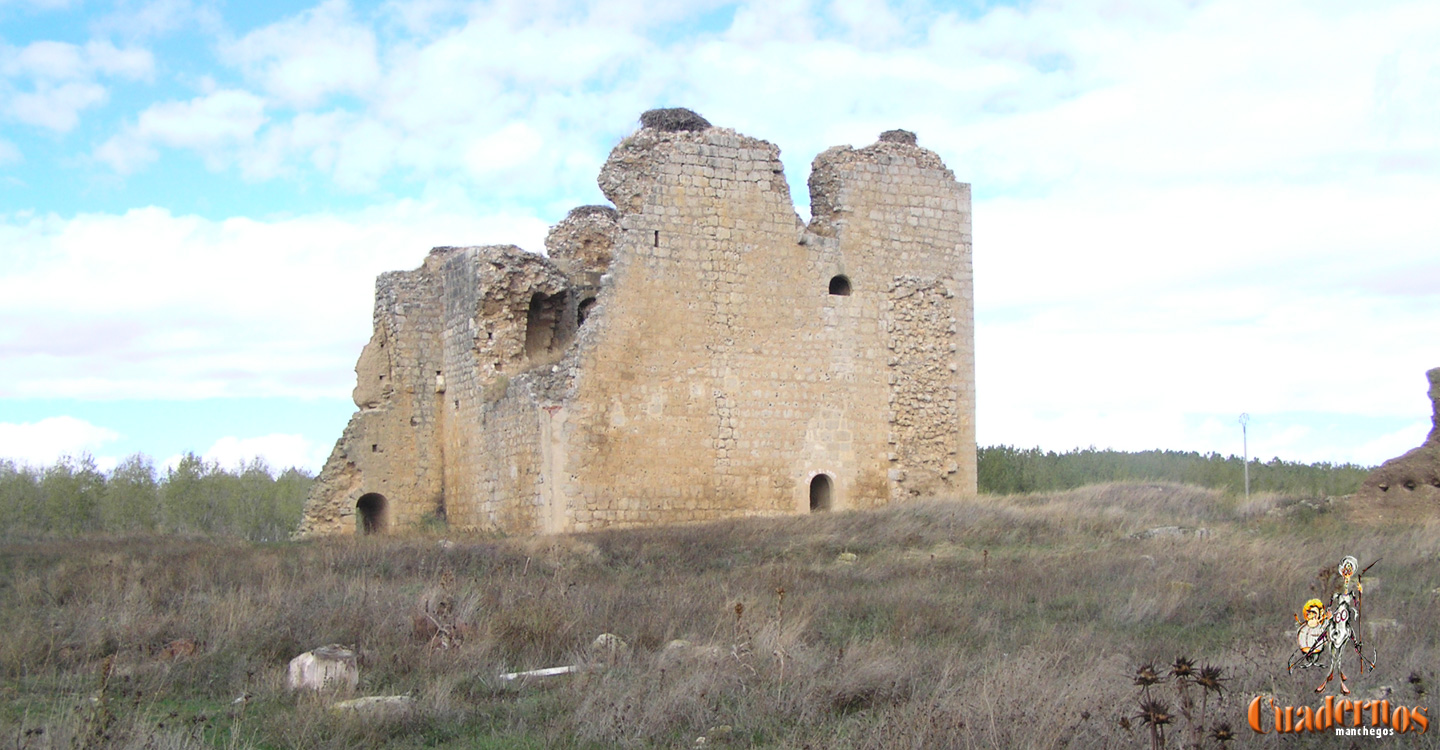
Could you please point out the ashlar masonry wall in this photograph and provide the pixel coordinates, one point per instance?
(697, 352)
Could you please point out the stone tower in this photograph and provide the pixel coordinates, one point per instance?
(696, 352)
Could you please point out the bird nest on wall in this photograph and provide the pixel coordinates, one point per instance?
(673, 120)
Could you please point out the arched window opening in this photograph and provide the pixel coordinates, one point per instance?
(840, 286)
(583, 311)
(820, 491)
(370, 513)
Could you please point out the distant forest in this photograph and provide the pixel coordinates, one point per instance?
(1004, 470)
(74, 498)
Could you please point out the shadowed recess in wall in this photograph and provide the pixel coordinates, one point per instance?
(543, 336)
(820, 493)
(370, 509)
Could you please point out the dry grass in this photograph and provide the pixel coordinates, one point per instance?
(998, 622)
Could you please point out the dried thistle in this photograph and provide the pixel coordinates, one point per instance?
(1210, 679)
(1182, 668)
(1222, 734)
(1146, 676)
(1156, 713)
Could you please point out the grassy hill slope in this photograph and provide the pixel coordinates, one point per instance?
(1006, 621)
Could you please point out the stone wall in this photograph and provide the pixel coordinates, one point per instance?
(696, 352)
(1407, 487)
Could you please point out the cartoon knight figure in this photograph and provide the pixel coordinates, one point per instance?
(1332, 628)
(1344, 625)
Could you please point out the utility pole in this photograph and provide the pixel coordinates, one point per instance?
(1245, 447)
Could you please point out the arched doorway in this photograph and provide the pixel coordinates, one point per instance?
(370, 513)
(820, 492)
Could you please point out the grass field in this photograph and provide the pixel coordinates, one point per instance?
(1015, 621)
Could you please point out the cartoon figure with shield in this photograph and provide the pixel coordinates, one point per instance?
(1322, 628)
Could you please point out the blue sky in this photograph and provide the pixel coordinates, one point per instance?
(1183, 210)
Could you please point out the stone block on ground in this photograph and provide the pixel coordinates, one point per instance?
(328, 668)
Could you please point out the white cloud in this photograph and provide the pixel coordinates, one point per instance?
(41, 4)
(1184, 208)
(279, 452)
(126, 153)
(216, 119)
(151, 305)
(214, 125)
(1391, 445)
(152, 18)
(422, 17)
(867, 21)
(45, 59)
(61, 61)
(9, 153)
(42, 443)
(506, 148)
(56, 107)
(134, 63)
(63, 79)
(305, 58)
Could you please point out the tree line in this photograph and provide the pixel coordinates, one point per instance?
(1005, 469)
(73, 497)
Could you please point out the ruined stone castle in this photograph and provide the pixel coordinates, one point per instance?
(696, 352)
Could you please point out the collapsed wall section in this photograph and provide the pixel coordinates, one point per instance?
(1407, 487)
(509, 318)
(450, 391)
(388, 455)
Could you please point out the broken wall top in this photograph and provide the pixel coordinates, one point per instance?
(1407, 487)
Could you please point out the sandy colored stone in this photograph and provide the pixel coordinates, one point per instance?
(328, 668)
(1406, 488)
(697, 352)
